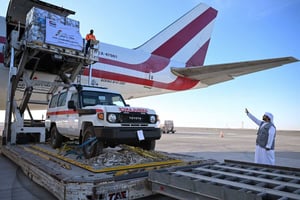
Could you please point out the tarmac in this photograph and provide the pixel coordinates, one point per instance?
(230, 144)
(202, 143)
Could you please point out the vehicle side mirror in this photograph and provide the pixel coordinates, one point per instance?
(71, 105)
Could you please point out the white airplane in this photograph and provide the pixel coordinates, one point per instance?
(172, 60)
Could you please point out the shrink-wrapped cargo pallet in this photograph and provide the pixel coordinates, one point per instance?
(46, 27)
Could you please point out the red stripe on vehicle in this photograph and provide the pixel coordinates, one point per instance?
(69, 112)
(174, 44)
(63, 112)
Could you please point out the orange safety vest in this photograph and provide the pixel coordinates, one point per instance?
(90, 37)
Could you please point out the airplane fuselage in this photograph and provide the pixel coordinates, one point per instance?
(132, 72)
(138, 71)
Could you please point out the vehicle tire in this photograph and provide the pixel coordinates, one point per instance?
(148, 144)
(56, 138)
(91, 149)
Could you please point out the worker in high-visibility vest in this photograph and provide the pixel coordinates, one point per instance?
(88, 39)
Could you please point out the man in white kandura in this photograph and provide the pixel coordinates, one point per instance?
(265, 141)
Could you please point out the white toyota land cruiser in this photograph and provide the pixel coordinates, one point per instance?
(89, 113)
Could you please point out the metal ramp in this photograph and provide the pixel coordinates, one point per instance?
(36, 69)
(228, 180)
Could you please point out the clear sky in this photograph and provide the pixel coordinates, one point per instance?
(244, 30)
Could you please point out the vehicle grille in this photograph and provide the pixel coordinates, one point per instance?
(136, 118)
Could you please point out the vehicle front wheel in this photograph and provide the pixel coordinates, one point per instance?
(91, 145)
(148, 144)
(56, 138)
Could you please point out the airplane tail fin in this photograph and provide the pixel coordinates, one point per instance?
(187, 39)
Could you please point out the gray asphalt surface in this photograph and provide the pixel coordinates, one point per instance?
(14, 185)
(229, 144)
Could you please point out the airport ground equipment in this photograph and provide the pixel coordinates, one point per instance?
(168, 127)
(228, 180)
(116, 174)
(38, 47)
(132, 173)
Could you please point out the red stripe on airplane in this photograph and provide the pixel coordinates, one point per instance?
(157, 63)
(153, 64)
(1, 58)
(174, 44)
(2, 39)
(180, 83)
(198, 58)
(163, 54)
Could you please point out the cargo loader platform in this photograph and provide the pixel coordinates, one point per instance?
(44, 52)
(228, 180)
(69, 177)
(132, 173)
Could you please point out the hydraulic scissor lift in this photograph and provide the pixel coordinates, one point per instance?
(25, 59)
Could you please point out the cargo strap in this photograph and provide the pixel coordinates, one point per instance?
(77, 149)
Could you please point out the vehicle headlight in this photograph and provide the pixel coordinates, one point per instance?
(100, 116)
(112, 117)
(152, 119)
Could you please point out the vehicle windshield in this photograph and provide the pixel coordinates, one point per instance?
(92, 98)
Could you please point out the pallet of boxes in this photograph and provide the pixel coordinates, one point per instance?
(52, 31)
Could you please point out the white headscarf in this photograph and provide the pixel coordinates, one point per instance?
(270, 116)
